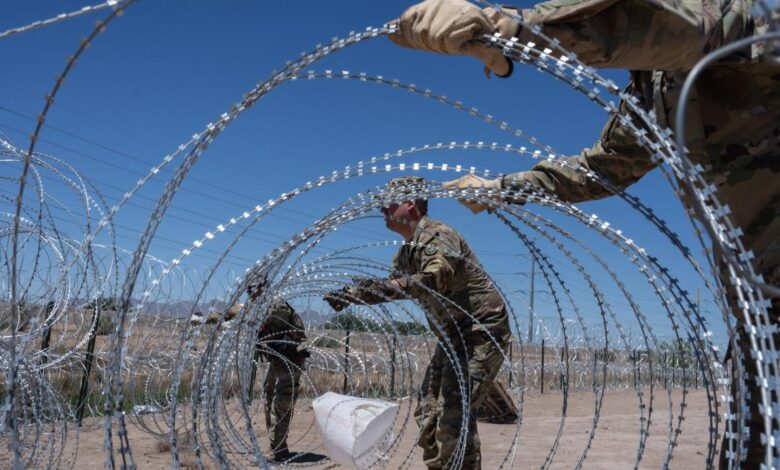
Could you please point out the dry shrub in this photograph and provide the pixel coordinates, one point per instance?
(162, 446)
(184, 443)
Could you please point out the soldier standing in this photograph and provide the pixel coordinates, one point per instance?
(733, 117)
(436, 267)
(279, 342)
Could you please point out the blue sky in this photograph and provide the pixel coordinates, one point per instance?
(165, 69)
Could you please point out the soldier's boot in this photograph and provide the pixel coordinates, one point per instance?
(282, 455)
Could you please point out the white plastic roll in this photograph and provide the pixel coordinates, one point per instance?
(356, 431)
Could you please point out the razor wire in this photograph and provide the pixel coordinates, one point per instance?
(218, 359)
(61, 17)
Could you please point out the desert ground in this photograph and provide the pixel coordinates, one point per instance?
(615, 443)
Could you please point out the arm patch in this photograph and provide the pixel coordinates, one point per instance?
(430, 249)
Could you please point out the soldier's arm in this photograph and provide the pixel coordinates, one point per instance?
(638, 35)
(377, 291)
(230, 314)
(436, 273)
(436, 269)
(616, 158)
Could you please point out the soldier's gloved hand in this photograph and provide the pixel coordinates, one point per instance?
(367, 284)
(234, 310)
(363, 282)
(338, 299)
(456, 27)
(471, 181)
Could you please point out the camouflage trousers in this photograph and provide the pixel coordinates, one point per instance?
(280, 390)
(440, 410)
(754, 449)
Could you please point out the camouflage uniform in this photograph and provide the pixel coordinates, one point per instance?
(732, 123)
(464, 310)
(280, 336)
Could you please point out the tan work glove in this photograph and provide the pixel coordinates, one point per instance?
(456, 27)
(214, 318)
(471, 181)
(234, 310)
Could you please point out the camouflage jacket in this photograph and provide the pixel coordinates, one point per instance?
(281, 318)
(281, 330)
(438, 268)
(733, 119)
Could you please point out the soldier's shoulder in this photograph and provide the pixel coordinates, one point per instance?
(438, 237)
(436, 229)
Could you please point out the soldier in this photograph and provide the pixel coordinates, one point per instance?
(436, 267)
(732, 120)
(279, 342)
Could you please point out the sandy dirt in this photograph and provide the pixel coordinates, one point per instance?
(615, 443)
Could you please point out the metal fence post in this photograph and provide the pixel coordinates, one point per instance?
(88, 359)
(392, 367)
(346, 363)
(542, 366)
(46, 335)
(560, 376)
(511, 373)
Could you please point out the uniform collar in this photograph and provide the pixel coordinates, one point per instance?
(420, 227)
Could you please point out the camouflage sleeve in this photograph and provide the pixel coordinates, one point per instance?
(435, 272)
(639, 34)
(230, 314)
(436, 268)
(377, 291)
(616, 157)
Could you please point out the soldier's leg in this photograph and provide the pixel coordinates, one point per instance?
(426, 411)
(753, 451)
(484, 364)
(485, 361)
(453, 400)
(285, 394)
(756, 444)
(269, 392)
(748, 417)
